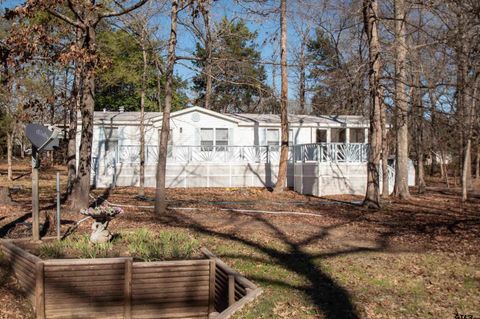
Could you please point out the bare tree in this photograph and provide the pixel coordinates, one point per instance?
(282, 166)
(370, 18)
(160, 194)
(401, 103)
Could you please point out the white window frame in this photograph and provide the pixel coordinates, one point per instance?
(272, 142)
(216, 143)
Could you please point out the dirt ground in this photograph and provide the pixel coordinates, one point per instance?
(298, 233)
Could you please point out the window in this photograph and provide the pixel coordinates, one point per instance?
(210, 137)
(221, 139)
(206, 139)
(321, 136)
(291, 137)
(111, 138)
(338, 135)
(273, 137)
(357, 135)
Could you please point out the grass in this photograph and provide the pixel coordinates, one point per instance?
(142, 244)
(166, 245)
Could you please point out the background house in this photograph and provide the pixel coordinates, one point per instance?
(210, 149)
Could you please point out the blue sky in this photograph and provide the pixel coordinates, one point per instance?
(266, 27)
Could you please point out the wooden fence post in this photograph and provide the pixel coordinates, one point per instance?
(39, 290)
(231, 290)
(211, 300)
(128, 289)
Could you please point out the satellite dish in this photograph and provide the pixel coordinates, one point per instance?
(41, 137)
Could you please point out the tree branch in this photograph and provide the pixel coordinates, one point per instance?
(65, 19)
(124, 11)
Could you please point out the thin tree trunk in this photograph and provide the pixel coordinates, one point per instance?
(208, 67)
(160, 195)
(467, 162)
(77, 96)
(159, 83)
(444, 168)
(9, 155)
(372, 196)
(419, 114)
(477, 165)
(301, 86)
(385, 150)
(141, 191)
(81, 189)
(283, 164)
(401, 105)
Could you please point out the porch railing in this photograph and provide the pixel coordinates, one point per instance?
(197, 154)
(327, 152)
(331, 152)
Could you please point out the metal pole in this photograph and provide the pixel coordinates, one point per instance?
(35, 217)
(58, 206)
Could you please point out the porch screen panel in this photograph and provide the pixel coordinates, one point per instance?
(357, 135)
(338, 135)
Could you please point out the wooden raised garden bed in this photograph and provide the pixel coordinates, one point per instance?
(122, 288)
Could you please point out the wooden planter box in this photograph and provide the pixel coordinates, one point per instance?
(122, 288)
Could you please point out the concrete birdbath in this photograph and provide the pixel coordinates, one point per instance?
(102, 216)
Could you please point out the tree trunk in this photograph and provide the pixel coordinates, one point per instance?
(401, 105)
(208, 66)
(477, 165)
(372, 196)
(283, 164)
(467, 162)
(81, 189)
(385, 150)
(9, 155)
(159, 83)
(160, 195)
(419, 118)
(301, 85)
(77, 96)
(141, 190)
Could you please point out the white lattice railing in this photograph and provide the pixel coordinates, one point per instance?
(198, 154)
(331, 152)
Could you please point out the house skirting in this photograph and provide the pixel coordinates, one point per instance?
(192, 175)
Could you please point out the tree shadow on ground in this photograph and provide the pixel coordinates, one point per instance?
(332, 300)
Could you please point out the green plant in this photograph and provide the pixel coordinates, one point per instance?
(144, 245)
(53, 249)
(81, 244)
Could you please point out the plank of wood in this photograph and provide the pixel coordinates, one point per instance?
(127, 311)
(165, 285)
(190, 273)
(162, 280)
(171, 264)
(21, 252)
(39, 291)
(86, 262)
(231, 290)
(63, 268)
(83, 273)
(156, 269)
(158, 293)
(211, 302)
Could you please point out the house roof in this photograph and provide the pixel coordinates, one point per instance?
(294, 118)
(240, 118)
(107, 116)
